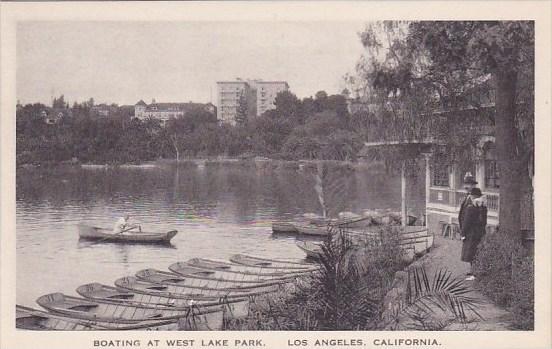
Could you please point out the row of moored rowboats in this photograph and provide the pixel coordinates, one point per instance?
(314, 225)
(199, 294)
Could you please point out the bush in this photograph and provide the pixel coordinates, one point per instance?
(345, 294)
(523, 296)
(506, 275)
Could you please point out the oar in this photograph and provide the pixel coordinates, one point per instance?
(108, 237)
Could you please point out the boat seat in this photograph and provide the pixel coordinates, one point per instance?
(120, 296)
(83, 307)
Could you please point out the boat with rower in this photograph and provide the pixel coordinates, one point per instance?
(97, 234)
(234, 308)
(162, 277)
(39, 320)
(112, 311)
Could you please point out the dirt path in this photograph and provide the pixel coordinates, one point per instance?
(446, 254)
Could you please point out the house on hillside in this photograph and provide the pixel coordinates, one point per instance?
(360, 105)
(166, 111)
(103, 110)
(52, 116)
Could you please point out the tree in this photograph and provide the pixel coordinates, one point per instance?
(439, 63)
(175, 131)
(241, 109)
(59, 103)
(320, 100)
(287, 105)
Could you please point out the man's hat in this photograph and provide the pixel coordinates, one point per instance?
(469, 178)
(476, 192)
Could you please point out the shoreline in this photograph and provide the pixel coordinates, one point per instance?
(203, 161)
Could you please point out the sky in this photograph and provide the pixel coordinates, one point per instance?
(123, 62)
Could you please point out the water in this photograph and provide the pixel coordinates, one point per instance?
(219, 209)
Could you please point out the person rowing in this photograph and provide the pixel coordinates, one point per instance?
(123, 225)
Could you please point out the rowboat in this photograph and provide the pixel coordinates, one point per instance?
(234, 308)
(179, 291)
(185, 269)
(356, 221)
(414, 240)
(283, 228)
(387, 217)
(112, 311)
(311, 249)
(34, 319)
(106, 235)
(253, 261)
(237, 268)
(314, 229)
(420, 244)
(162, 277)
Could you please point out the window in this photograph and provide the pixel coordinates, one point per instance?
(492, 173)
(440, 175)
(463, 169)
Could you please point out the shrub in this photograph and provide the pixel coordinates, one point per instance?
(345, 294)
(523, 296)
(506, 275)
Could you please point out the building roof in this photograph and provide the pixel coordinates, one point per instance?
(141, 102)
(176, 106)
(270, 82)
(406, 148)
(233, 82)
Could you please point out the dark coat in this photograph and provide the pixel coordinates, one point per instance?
(465, 202)
(474, 221)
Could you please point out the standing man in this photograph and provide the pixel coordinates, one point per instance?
(469, 184)
(474, 221)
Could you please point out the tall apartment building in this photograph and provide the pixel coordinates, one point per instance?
(259, 96)
(228, 99)
(267, 92)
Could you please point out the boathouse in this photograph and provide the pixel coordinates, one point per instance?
(444, 181)
(444, 186)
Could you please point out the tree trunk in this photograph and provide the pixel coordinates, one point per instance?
(509, 159)
(175, 145)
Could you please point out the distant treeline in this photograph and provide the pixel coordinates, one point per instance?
(312, 128)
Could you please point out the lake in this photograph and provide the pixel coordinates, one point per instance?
(218, 208)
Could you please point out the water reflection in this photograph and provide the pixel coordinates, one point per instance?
(219, 209)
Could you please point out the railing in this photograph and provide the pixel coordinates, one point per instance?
(450, 197)
(440, 196)
(492, 200)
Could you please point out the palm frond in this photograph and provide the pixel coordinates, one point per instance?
(444, 293)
